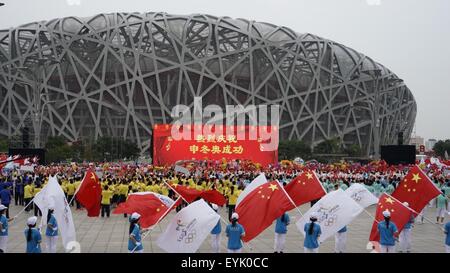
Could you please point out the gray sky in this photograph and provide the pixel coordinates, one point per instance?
(410, 37)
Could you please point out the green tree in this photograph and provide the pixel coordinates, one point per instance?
(441, 146)
(329, 146)
(353, 150)
(109, 149)
(4, 144)
(57, 149)
(290, 149)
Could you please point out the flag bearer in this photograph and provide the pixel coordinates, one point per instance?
(106, 201)
(312, 233)
(405, 235)
(388, 233)
(215, 233)
(280, 232)
(4, 229)
(235, 232)
(340, 240)
(135, 240)
(33, 236)
(441, 205)
(447, 235)
(51, 233)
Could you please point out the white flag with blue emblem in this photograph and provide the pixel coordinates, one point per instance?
(335, 210)
(361, 195)
(189, 228)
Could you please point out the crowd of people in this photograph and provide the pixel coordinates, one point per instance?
(118, 180)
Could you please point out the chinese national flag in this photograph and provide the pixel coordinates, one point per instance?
(400, 214)
(416, 189)
(260, 207)
(304, 188)
(151, 206)
(89, 194)
(190, 195)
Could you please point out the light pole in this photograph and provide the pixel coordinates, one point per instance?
(39, 101)
(375, 74)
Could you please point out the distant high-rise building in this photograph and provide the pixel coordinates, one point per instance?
(417, 141)
(429, 144)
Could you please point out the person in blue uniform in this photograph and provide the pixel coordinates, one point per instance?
(215, 233)
(234, 232)
(51, 233)
(388, 233)
(33, 236)
(404, 239)
(312, 234)
(280, 232)
(5, 196)
(135, 240)
(340, 240)
(4, 229)
(447, 235)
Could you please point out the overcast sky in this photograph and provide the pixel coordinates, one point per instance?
(410, 37)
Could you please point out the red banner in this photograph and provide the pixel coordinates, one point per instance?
(206, 142)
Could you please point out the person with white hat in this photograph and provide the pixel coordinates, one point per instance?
(33, 236)
(388, 233)
(4, 228)
(280, 232)
(312, 234)
(135, 240)
(215, 233)
(51, 233)
(447, 235)
(404, 239)
(234, 232)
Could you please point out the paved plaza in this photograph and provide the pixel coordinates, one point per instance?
(110, 235)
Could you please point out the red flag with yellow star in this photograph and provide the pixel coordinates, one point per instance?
(305, 188)
(89, 194)
(151, 206)
(400, 215)
(417, 189)
(260, 207)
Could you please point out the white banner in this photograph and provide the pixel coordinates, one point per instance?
(53, 195)
(189, 228)
(335, 210)
(361, 195)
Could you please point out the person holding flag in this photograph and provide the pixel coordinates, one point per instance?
(51, 232)
(33, 236)
(215, 233)
(4, 228)
(135, 241)
(340, 240)
(388, 233)
(405, 235)
(447, 235)
(235, 232)
(312, 233)
(280, 232)
(441, 207)
(106, 201)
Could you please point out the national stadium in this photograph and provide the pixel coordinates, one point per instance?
(119, 74)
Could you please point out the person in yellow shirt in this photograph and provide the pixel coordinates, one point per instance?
(232, 199)
(27, 196)
(77, 184)
(106, 201)
(70, 188)
(37, 211)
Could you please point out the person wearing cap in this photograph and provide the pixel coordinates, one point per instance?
(447, 235)
(33, 236)
(312, 233)
(135, 241)
(280, 232)
(388, 233)
(4, 228)
(51, 233)
(215, 233)
(404, 239)
(340, 240)
(234, 232)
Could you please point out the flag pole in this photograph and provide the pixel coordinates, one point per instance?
(153, 227)
(289, 197)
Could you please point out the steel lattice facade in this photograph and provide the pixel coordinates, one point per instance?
(119, 74)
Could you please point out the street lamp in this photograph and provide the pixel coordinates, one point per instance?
(375, 74)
